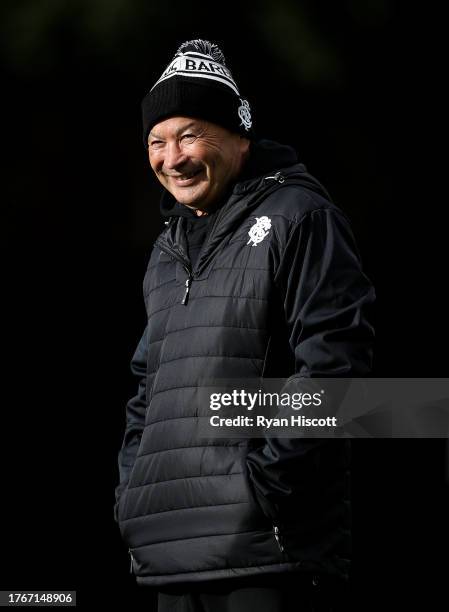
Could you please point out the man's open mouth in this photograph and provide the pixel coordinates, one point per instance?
(185, 178)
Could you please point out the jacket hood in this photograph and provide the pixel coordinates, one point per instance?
(266, 158)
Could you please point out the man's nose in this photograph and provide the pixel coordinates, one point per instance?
(174, 156)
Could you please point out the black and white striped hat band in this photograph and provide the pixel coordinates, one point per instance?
(198, 65)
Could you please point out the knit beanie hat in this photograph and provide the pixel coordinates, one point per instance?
(197, 83)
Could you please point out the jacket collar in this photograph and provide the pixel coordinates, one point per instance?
(268, 166)
(265, 157)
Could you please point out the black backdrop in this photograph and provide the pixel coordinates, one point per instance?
(350, 85)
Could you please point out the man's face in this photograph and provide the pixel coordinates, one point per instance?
(195, 160)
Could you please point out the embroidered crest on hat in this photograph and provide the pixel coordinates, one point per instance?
(245, 114)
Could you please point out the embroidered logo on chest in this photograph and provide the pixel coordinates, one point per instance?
(259, 230)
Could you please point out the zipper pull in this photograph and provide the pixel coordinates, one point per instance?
(186, 294)
(278, 538)
(131, 567)
(277, 177)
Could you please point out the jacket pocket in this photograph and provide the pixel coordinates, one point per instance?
(266, 517)
(257, 509)
(265, 359)
(119, 506)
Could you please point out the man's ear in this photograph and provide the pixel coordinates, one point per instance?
(244, 144)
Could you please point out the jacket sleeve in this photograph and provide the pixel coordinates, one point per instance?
(326, 301)
(135, 419)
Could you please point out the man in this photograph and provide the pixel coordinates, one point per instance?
(255, 274)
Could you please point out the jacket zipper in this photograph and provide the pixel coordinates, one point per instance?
(131, 566)
(185, 265)
(278, 176)
(277, 537)
(188, 283)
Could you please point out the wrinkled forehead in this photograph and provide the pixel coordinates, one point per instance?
(174, 126)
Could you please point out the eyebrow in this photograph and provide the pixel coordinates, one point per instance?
(182, 129)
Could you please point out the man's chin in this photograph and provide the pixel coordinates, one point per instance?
(193, 200)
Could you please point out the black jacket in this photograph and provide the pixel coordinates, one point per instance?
(292, 305)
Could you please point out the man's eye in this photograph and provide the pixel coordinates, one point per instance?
(188, 137)
(156, 143)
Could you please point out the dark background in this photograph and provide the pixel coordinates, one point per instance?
(353, 86)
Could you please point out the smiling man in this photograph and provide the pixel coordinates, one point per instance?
(195, 160)
(255, 274)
